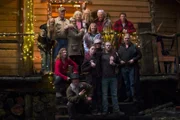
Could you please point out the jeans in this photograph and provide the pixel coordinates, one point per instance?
(112, 83)
(46, 61)
(60, 85)
(97, 94)
(61, 43)
(128, 76)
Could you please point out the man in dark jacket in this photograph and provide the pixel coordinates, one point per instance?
(129, 55)
(109, 80)
(79, 97)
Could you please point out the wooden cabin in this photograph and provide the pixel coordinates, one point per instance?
(14, 17)
(19, 56)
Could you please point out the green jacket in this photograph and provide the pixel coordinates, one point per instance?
(73, 94)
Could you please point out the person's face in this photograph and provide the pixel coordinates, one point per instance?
(64, 54)
(62, 14)
(42, 32)
(86, 15)
(100, 16)
(92, 50)
(73, 21)
(78, 17)
(108, 46)
(93, 28)
(75, 82)
(122, 17)
(126, 39)
(98, 45)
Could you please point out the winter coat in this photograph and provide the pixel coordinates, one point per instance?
(126, 54)
(74, 42)
(88, 40)
(61, 68)
(118, 27)
(104, 25)
(73, 93)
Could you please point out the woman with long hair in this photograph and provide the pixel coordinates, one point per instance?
(87, 19)
(78, 17)
(62, 63)
(90, 36)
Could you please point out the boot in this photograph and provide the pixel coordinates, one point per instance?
(135, 99)
(129, 99)
(58, 101)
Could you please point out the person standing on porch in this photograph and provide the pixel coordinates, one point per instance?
(60, 31)
(102, 22)
(123, 26)
(109, 80)
(75, 48)
(129, 55)
(79, 21)
(45, 45)
(90, 36)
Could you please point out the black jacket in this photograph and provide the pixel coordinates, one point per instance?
(126, 54)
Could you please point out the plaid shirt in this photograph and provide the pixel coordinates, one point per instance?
(118, 27)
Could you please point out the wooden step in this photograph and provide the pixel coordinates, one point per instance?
(128, 108)
(93, 117)
(107, 117)
(140, 118)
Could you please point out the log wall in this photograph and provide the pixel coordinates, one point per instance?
(9, 56)
(166, 19)
(40, 17)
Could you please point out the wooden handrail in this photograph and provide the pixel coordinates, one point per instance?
(160, 35)
(16, 34)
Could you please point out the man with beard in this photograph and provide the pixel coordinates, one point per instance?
(79, 97)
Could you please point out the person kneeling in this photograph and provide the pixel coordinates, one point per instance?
(79, 97)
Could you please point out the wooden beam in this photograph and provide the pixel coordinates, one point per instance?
(160, 35)
(120, 2)
(4, 60)
(119, 8)
(8, 53)
(8, 72)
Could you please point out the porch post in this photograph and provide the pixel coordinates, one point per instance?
(153, 28)
(29, 39)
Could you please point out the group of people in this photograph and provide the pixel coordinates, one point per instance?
(78, 48)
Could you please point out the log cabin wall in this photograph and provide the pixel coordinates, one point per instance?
(166, 19)
(137, 11)
(40, 17)
(9, 56)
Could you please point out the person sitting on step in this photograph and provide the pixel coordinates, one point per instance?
(79, 95)
(61, 73)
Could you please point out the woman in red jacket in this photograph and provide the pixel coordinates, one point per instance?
(62, 64)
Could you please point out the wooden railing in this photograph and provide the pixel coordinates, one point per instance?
(12, 62)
